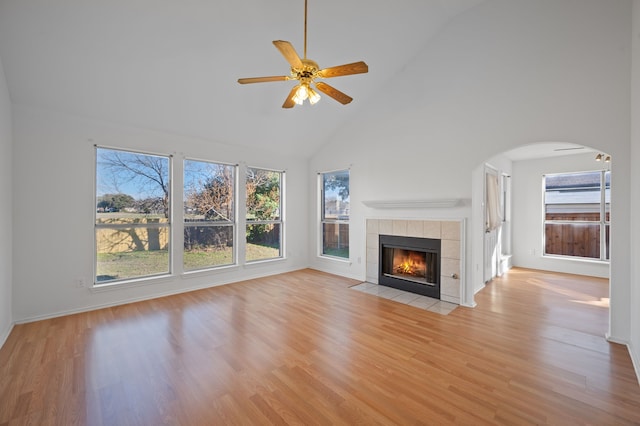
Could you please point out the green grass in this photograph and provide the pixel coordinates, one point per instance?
(134, 264)
(337, 252)
(258, 252)
(198, 259)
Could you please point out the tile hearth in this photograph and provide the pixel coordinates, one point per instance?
(423, 302)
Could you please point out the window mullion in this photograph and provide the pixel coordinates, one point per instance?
(603, 216)
(241, 212)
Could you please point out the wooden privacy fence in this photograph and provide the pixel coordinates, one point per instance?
(148, 237)
(336, 236)
(580, 239)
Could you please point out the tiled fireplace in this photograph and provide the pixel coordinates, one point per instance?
(446, 233)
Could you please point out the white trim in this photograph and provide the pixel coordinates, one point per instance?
(322, 220)
(413, 204)
(635, 357)
(320, 172)
(208, 271)
(635, 360)
(148, 297)
(613, 339)
(258, 262)
(130, 282)
(341, 274)
(5, 336)
(335, 258)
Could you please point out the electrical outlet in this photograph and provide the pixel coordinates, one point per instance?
(80, 282)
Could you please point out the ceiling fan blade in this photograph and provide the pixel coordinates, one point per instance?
(263, 79)
(346, 69)
(289, 103)
(289, 53)
(333, 92)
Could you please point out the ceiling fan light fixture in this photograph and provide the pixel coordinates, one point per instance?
(599, 157)
(314, 97)
(301, 94)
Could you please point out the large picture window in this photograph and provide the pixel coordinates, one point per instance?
(132, 223)
(577, 214)
(264, 214)
(334, 200)
(209, 214)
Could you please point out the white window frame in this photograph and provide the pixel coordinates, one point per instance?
(603, 222)
(168, 225)
(323, 220)
(233, 223)
(280, 221)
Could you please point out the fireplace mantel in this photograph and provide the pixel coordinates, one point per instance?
(413, 204)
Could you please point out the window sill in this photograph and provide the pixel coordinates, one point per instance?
(334, 258)
(207, 271)
(135, 282)
(576, 259)
(257, 263)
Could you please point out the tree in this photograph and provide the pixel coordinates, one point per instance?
(263, 194)
(211, 196)
(149, 174)
(115, 202)
(263, 203)
(337, 181)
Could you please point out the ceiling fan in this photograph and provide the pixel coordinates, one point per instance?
(306, 72)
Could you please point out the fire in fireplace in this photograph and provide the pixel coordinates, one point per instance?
(410, 264)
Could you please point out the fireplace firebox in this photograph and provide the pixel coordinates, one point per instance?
(410, 264)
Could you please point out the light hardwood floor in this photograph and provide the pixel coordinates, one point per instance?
(303, 348)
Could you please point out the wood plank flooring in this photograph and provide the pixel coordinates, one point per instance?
(303, 348)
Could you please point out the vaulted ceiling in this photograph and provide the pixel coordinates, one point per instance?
(173, 66)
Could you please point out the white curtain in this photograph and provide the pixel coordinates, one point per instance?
(494, 215)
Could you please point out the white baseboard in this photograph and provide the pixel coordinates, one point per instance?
(633, 354)
(635, 360)
(333, 271)
(614, 339)
(505, 263)
(146, 297)
(4, 336)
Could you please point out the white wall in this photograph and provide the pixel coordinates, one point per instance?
(634, 341)
(527, 214)
(54, 196)
(504, 74)
(6, 207)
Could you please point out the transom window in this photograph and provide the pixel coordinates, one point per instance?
(133, 220)
(335, 207)
(577, 214)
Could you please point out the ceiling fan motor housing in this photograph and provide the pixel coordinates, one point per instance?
(308, 71)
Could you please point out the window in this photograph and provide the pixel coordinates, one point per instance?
(577, 214)
(209, 214)
(264, 214)
(334, 200)
(132, 223)
(504, 196)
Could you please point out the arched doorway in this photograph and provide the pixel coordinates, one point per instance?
(520, 238)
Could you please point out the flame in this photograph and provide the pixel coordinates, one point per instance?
(406, 267)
